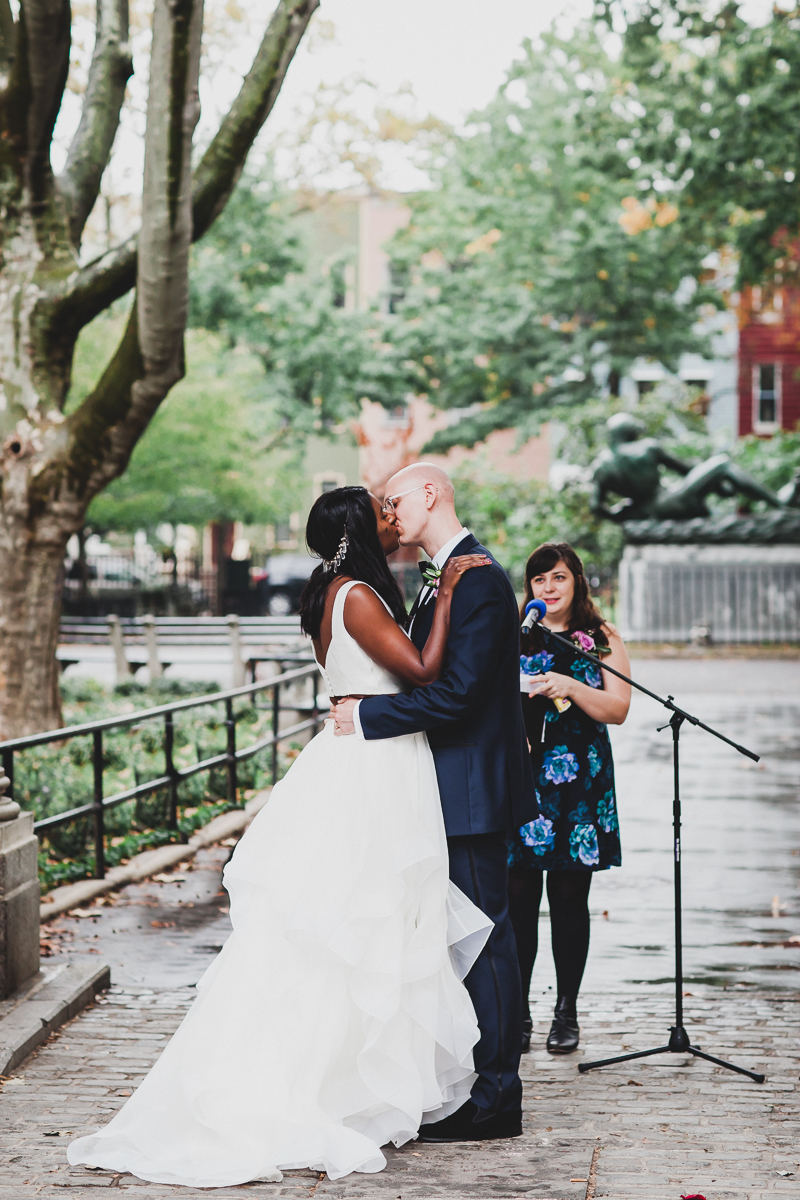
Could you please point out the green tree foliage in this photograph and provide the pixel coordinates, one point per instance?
(513, 516)
(539, 268)
(250, 249)
(713, 105)
(774, 461)
(208, 453)
(252, 282)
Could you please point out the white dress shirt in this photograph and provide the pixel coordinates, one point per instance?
(439, 559)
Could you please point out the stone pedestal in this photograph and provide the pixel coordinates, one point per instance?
(728, 593)
(19, 901)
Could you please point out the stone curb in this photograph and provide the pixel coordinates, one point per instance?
(151, 862)
(43, 1004)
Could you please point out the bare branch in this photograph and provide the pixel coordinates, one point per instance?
(149, 360)
(100, 441)
(223, 161)
(103, 281)
(43, 42)
(88, 155)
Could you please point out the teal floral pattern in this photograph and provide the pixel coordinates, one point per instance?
(536, 664)
(560, 766)
(583, 845)
(538, 835)
(607, 813)
(578, 829)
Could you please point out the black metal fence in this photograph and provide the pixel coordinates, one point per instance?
(173, 775)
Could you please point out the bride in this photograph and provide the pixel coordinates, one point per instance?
(334, 1020)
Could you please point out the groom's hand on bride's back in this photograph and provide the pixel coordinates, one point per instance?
(342, 713)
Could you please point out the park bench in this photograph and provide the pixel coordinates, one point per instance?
(160, 642)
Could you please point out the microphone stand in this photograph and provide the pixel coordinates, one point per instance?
(679, 1040)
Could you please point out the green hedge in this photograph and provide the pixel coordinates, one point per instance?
(52, 779)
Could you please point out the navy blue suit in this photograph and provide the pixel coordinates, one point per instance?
(473, 718)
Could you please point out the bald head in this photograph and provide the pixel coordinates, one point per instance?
(417, 475)
(424, 506)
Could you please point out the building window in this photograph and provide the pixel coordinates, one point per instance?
(397, 417)
(767, 397)
(328, 481)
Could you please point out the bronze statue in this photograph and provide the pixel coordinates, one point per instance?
(631, 468)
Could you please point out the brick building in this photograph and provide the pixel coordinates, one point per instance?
(769, 360)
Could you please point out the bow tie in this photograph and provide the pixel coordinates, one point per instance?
(430, 574)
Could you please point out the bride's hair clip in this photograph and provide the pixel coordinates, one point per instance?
(334, 563)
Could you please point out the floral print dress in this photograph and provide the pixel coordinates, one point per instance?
(578, 829)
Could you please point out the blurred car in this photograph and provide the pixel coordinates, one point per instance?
(286, 576)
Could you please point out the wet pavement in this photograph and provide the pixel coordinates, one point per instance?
(741, 854)
(740, 836)
(161, 933)
(654, 1129)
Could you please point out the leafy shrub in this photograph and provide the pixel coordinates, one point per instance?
(56, 778)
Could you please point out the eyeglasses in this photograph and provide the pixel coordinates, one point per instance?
(390, 502)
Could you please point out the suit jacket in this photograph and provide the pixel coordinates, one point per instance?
(473, 714)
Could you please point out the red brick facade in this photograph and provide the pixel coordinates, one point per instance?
(769, 360)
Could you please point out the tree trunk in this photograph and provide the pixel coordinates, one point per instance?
(52, 465)
(31, 572)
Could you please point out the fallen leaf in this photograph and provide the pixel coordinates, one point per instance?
(164, 878)
(633, 1083)
(785, 1174)
(82, 912)
(579, 1180)
(163, 924)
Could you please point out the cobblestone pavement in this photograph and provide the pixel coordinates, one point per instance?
(657, 1129)
(662, 1127)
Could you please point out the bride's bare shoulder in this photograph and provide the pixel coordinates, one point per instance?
(362, 605)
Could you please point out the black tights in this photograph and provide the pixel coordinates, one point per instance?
(568, 894)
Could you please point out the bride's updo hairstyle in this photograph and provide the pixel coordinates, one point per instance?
(346, 513)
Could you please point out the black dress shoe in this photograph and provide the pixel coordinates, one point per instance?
(527, 1030)
(472, 1124)
(564, 1032)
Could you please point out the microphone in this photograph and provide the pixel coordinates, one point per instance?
(534, 612)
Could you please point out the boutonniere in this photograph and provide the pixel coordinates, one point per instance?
(586, 642)
(430, 576)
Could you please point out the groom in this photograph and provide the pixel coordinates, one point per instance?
(473, 719)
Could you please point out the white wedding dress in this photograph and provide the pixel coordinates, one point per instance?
(334, 1020)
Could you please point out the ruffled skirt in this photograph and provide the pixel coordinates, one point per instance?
(334, 1020)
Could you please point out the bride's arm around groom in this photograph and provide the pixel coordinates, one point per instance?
(473, 719)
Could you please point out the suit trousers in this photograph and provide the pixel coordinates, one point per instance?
(478, 866)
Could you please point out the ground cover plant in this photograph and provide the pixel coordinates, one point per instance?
(55, 778)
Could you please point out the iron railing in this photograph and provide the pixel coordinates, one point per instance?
(173, 775)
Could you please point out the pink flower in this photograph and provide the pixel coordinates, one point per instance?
(584, 640)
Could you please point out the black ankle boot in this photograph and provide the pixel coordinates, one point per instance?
(564, 1032)
(527, 1030)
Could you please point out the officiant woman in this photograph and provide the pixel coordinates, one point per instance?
(569, 705)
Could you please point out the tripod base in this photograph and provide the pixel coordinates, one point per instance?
(678, 1044)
